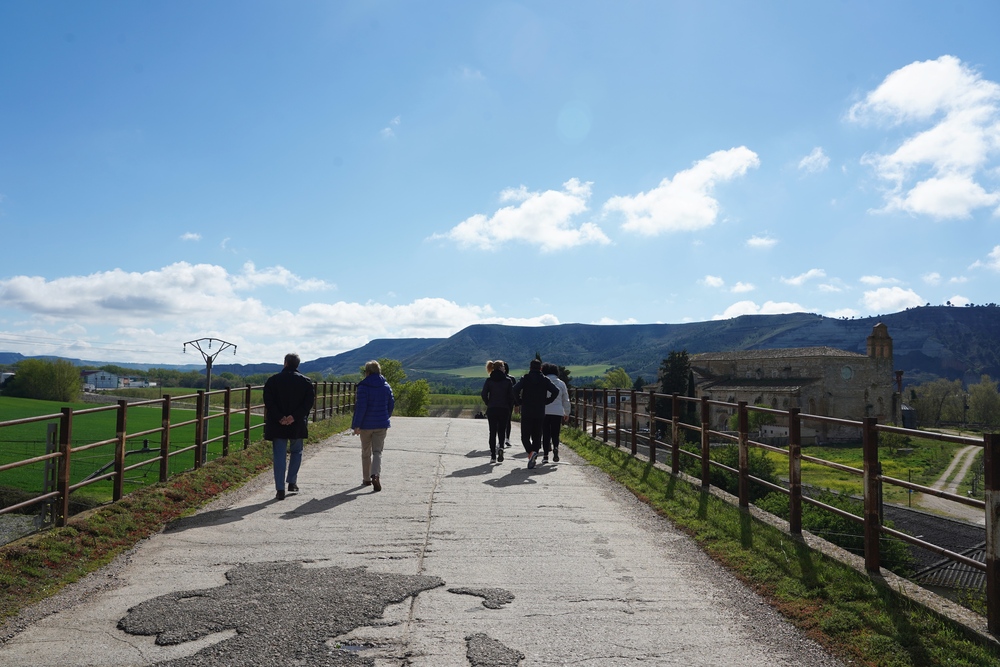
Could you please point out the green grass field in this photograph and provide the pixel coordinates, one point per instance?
(26, 441)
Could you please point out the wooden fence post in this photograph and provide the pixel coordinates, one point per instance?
(618, 417)
(165, 439)
(991, 465)
(634, 410)
(654, 426)
(869, 443)
(675, 433)
(744, 451)
(120, 431)
(227, 401)
(199, 436)
(794, 472)
(65, 448)
(705, 449)
(246, 417)
(314, 409)
(604, 414)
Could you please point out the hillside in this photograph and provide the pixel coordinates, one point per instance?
(929, 342)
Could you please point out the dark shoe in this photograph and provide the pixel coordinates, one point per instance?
(531, 459)
(493, 459)
(499, 456)
(376, 484)
(555, 457)
(507, 444)
(545, 459)
(367, 482)
(293, 487)
(280, 495)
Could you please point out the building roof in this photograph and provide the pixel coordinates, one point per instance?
(778, 353)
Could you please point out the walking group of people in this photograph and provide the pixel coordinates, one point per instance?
(543, 400)
(288, 400)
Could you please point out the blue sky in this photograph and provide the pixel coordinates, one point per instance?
(309, 176)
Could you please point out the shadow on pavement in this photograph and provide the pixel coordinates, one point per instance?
(317, 505)
(482, 469)
(214, 518)
(519, 477)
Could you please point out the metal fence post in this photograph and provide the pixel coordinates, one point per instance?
(794, 472)
(743, 421)
(869, 443)
(991, 465)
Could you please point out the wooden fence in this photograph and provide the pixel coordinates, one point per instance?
(594, 407)
(237, 428)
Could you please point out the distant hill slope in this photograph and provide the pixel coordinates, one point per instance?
(928, 342)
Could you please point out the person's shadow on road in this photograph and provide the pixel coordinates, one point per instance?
(519, 477)
(317, 505)
(214, 517)
(482, 469)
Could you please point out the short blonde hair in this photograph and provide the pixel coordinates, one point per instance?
(373, 368)
(490, 366)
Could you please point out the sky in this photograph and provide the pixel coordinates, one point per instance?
(310, 176)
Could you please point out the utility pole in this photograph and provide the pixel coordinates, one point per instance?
(209, 357)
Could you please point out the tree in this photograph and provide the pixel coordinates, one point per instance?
(412, 398)
(639, 383)
(45, 380)
(984, 402)
(755, 420)
(616, 378)
(937, 401)
(675, 372)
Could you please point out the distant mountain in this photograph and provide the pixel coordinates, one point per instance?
(928, 342)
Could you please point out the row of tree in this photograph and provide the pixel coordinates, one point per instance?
(947, 401)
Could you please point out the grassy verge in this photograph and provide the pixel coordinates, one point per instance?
(38, 566)
(840, 608)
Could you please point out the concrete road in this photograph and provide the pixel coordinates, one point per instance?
(456, 562)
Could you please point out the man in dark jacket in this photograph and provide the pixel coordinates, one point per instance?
(288, 399)
(533, 392)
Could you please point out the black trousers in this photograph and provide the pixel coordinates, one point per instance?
(550, 433)
(531, 433)
(497, 418)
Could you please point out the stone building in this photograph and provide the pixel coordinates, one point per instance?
(817, 380)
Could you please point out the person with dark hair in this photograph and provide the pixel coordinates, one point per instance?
(373, 406)
(533, 392)
(498, 395)
(556, 414)
(288, 399)
(510, 413)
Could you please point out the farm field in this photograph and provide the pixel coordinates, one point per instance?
(26, 441)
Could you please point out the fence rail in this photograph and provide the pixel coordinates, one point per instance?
(240, 417)
(593, 407)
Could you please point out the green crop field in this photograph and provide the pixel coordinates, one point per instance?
(25, 441)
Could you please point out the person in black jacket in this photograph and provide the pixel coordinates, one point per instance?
(288, 399)
(498, 395)
(533, 392)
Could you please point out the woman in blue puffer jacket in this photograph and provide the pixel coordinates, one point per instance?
(372, 409)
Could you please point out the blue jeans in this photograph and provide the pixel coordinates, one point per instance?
(279, 445)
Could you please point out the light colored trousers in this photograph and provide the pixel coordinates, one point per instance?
(372, 443)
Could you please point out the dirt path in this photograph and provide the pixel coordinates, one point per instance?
(949, 481)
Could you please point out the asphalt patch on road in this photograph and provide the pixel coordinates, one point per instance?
(484, 651)
(494, 598)
(282, 613)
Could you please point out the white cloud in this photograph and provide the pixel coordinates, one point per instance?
(992, 261)
(843, 312)
(389, 131)
(190, 236)
(800, 279)
(815, 162)
(761, 242)
(958, 280)
(279, 276)
(685, 203)
(959, 300)
(890, 299)
(878, 280)
(933, 172)
(540, 218)
(713, 281)
(467, 73)
(741, 287)
(829, 287)
(124, 316)
(751, 308)
(608, 320)
(932, 278)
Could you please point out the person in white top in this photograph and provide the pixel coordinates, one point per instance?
(556, 414)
